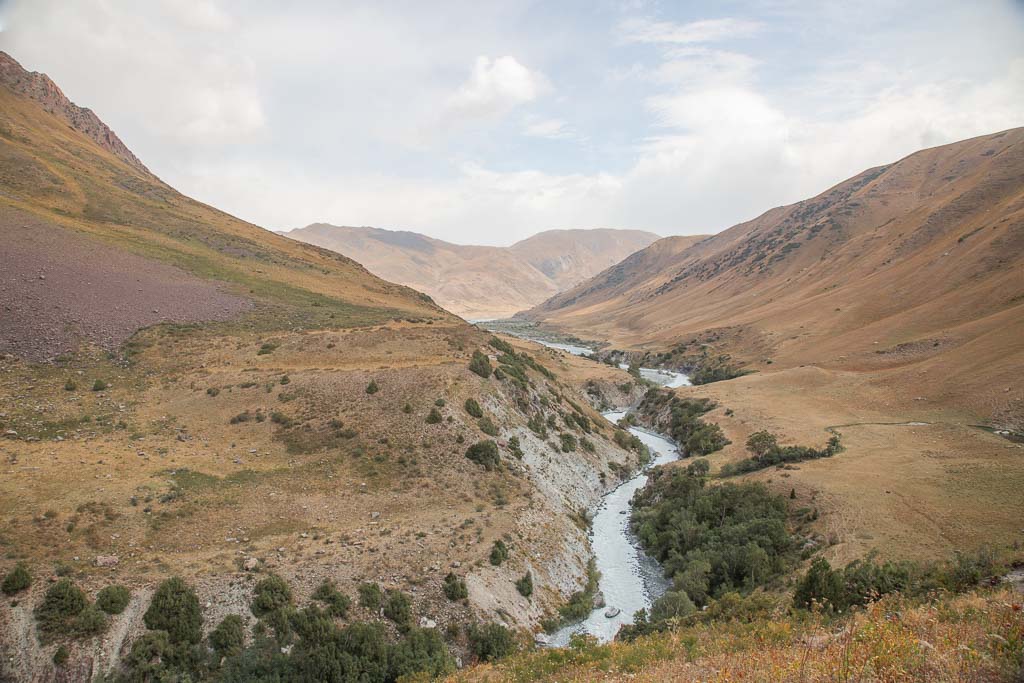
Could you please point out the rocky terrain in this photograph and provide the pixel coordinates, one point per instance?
(481, 282)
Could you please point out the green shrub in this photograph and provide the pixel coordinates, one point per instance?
(422, 651)
(212, 391)
(499, 552)
(515, 447)
(175, 609)
(487, 426)
(434, 417)
(99, 385)
(525, 585)
(61, 604)
(407, 409)
(17, 580)
(440, 403)
(113, 599)
(501, 345)
(70, 385)
(228, 638)
(372, 387)
(60, 655)
(485, 453)
(270, 595)
(89, 622)
(480, 364)
(587, 445)
(672, 605)
(337, 602)
(473, 408)
(455, 588)
(490, 642)
(265, 348)
(568, 442)
(398, 608)
(370, 596)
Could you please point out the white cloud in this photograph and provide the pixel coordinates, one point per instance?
(552, 129)
(494, 87)
(704, 31)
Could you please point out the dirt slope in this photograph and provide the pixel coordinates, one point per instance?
(481, 282)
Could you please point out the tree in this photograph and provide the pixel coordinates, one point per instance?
(473, 408)
(228, 637)
(484, 453)
(270, 595)
(455, 588)
(525, 585)
(372, 387)
(499, 552)
(113, 599)
(398, 608)
(434, 417)
(480, 364)
(672, 605)
(821, 585)
(175, 609)
(370, 596)
(762, 443)
(491, 641)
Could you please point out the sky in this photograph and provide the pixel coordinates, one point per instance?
(485, 122)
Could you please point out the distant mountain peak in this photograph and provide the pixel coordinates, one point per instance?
(42, 90)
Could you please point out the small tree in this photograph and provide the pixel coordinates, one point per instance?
(485, 453)
(480, 364)
(175, 609)
(499, 552)
(455, 588)
(525, 585)
(473, 408)
(99, 385)
(568, 442)
(270, 595)
(491, 641)
(228, 637)
(821, 585)
(398, 608)
(762, 443)
(434, 417)
(17, 580)
(372, 387)
(336, 601)
(113, 599)
(487, 426)
(370, 596)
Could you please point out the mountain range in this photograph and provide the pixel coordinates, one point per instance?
(478, 282)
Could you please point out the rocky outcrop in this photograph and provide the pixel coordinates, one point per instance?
(39, 88)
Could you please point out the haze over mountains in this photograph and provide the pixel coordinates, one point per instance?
(478, 282)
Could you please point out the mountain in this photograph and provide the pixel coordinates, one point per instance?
(922, 258)
(481, 282)
(183, 393)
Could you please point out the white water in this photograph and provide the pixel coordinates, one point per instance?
(570, 348)
(666, 378)
(630, 580)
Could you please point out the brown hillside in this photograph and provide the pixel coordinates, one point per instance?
(481, 282)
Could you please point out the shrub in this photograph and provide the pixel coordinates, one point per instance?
(99, 385)
(502, 345)
(525, 585)
(228, 638)
(487, 426)
(113, 599)
(70, 385)
(89, 622)
(424, 652)
(270, 595)
(17, 580)
(265, 348)
(398, 608)
(491, 641)
(515, 447)
(370, 596)
(65, 611)
(337, 602)
(537, 426)
(241, 417)
(440, 403)
(473, 408)
(499, 552)
(434, 417)
(372, 387)
(212, 391)
(484, 453)
(480, 364)
(587, 445)
(672, 605)
(568, 443)
(407, 409)
(455, 588)
(61, 655)
(175, 609)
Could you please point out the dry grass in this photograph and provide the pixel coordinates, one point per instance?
(972, 637)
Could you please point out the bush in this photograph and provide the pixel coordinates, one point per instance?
(515, 447)
(502, 345)
(99, 385)
(434, 417)
(63, 602)
(175, 609)
(568, 443)
(422, 651)
(265, 348)
(228, 638)
(499, 552)
(370, 596)
(113, 599)
(70, 385)
(89, 622)
(490, 642)
(372, 387)
(398, 608)
(212, 391)
(487, 426)
(17, 580)
(525, 585)
(672, 605)
(440, 403)
(473, 408)
(485, 453)
(270, 595)
(337, 602)
(61, 655)
(480, 364)
(455, 588)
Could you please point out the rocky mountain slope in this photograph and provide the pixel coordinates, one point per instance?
(184, 393)
(481, 282)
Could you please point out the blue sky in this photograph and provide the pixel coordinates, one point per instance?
(486, 122)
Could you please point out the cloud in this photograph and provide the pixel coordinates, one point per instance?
(704, 31)
(551, 129)
(496, 86)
